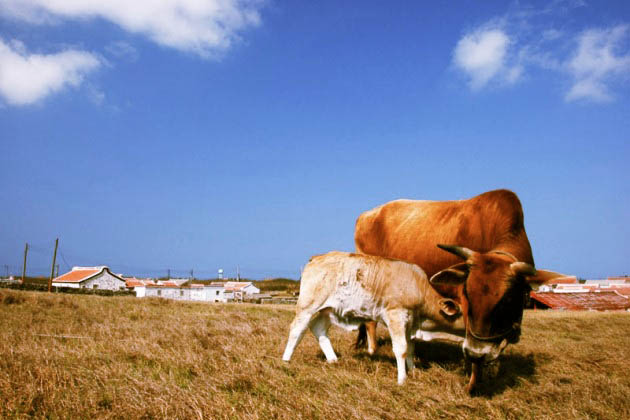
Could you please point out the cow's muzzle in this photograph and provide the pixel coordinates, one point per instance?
(512, 335)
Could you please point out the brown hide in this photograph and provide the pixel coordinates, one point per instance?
(409, 230)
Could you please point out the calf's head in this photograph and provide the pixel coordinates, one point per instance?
(493, 290)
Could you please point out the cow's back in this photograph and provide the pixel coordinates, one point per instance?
(409, 230)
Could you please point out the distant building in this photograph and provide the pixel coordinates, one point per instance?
(559, 283)
(138, 285)
(197, 292)
(602, 301)
(10, 280)
(90, 278)
(179, 282)
(570, 285)
(215, 292)
(171, 290)
(239, 289)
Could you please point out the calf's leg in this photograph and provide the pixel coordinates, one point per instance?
(398, 322)
(319, 327)
(296, 332)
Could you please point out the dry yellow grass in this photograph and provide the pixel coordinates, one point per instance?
(64, 356)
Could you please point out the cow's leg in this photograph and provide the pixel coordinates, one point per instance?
(398, 323)
(361, 337)
(370, 328)
(319, 327)
(296, 332)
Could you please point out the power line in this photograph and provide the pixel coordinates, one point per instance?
(64, 260)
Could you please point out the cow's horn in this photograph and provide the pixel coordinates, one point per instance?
(460, 251)
(523, 268)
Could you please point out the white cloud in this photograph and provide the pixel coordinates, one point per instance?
(482, 56)
(205, 27)
(525, 41)
(27, 78)
(597, 62)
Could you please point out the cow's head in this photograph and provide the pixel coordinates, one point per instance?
(494, 289)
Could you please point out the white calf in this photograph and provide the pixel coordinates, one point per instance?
(347, 289)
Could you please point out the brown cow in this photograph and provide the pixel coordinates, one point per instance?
(491, 224)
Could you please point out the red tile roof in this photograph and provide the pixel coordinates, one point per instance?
(134, 282)
(164, 284)
(235, 286)
(79, 274)
(601, 301)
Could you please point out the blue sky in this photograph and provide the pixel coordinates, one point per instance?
(183, 134)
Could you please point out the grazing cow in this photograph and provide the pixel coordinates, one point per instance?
(347, 289)
(409, 230)
(491, 289)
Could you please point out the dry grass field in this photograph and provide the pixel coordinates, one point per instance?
(66, 356)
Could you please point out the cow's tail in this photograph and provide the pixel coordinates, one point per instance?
(361, 337)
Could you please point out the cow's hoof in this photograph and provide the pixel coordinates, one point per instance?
(470, 389)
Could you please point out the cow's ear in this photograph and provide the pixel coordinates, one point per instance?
(541, 277)
(449, 307)
(455, 274)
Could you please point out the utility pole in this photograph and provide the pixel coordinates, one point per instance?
(52, 269)
(192, 277)
(168, 274)
(24, 267)
(238, 274)
(57, 270)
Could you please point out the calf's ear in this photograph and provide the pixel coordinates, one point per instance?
(449, 307)
(455, 274)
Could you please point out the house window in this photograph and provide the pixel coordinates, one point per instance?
(217, 293)
(159, 293)
(95, 286)
(181, 293)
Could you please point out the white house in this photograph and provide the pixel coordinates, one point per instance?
(215, 292)
(197, 292)
(167, 290)
(138, 285)
(242, 287)
(90, 278)
(179, 282)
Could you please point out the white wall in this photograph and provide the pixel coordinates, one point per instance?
(214, 294)
(72, 285)
(168, 293)
(140, 291)
(104, 281)
(197, 293)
